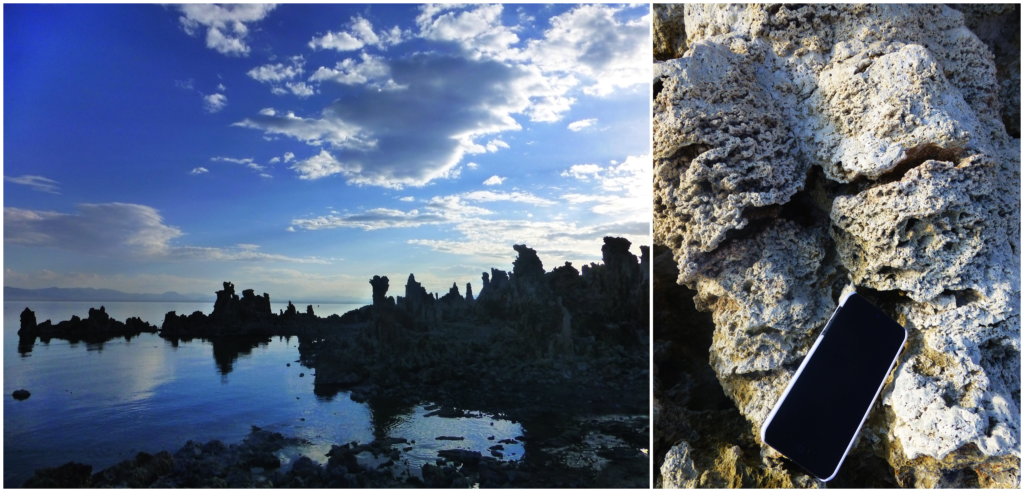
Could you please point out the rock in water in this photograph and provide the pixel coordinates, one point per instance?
(28, 322)
(805, 149)
(21, 394)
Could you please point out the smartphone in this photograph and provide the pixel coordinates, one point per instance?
(818, 417)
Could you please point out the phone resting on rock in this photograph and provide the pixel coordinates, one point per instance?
(820, 413)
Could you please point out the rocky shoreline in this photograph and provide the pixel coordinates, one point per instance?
(564, 353)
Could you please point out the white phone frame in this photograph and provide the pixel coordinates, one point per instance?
(800, 370)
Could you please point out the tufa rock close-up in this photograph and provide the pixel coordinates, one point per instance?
(806, 150)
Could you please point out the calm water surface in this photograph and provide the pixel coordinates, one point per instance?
(102, 403)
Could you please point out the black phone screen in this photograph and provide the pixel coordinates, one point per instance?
(817, 420)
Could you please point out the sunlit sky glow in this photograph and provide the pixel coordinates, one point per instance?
(301, 149)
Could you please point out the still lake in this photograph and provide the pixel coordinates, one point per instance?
(102, 403)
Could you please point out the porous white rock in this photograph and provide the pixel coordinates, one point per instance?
(929, 232)
(721, 146)
(892, 115)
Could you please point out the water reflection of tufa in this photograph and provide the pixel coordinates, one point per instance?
(226, 350)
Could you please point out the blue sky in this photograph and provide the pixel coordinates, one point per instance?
(301, 149)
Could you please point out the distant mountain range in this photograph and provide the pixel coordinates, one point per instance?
(110, 295)
(90, 294)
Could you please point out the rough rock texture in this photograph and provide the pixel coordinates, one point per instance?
(998, 26)
(721, 149)
(805, 149)
(669, 31)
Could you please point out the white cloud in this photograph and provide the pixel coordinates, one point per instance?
(494, 180)
(581, 124)
(378, 218)
(496, 144)
(319, 166)
(312, 131)
(288, 156)
(299, 89)
(515, 196)
(198, 170)
(275, 74)
(341, 41)
(220, 87)
(214, 102)
(359, 35)
(275, 160)
(407, 199)
(373, 71)
(624, 189)
(477, 30)
(583, 171)
(591, 42)
(226, 29)
(278, 72)
(472, 165)
(38, 183)
(247, 162)
(118, 230)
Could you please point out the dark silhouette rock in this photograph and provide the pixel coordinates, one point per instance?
(230, 311)
(140, 472)
(28, 322)
(225, 308)
(21, 395)
(469, 292)
(453, 293)
(290, 311)
(98, 327)
(309, 310)
(380, 290)
(253, 306)
(527, 265)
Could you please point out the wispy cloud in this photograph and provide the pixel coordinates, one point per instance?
(198, 170)
(38, 183)
(581, 124)
(119, 230)
(494, 180)
(247, 162)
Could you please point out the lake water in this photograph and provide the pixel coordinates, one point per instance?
(100, 404)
